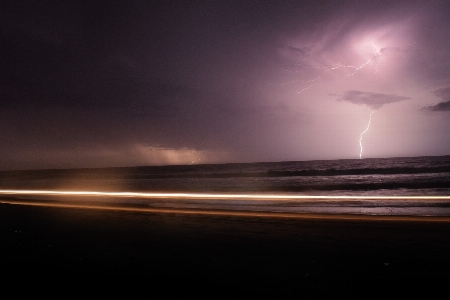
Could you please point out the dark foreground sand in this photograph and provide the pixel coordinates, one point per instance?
(67, 251)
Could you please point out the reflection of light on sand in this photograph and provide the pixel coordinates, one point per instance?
(261, 214)
(199, 196)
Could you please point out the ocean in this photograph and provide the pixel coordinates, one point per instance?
(374, 186)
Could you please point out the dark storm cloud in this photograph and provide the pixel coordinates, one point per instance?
(444, 94)
(57, 54)
(372, 100)
(442, 106)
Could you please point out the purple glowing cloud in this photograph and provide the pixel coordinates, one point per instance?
(372, 100)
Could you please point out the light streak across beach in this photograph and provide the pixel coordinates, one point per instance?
(199, 196)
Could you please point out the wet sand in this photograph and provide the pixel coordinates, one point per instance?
(51, 249)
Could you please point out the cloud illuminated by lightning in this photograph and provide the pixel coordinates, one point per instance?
(361, 135)
(338, 66)
(377, 57)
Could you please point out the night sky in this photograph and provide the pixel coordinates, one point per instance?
(100, 84)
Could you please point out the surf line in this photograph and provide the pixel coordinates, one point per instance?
(208, 196)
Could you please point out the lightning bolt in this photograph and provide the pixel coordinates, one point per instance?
(362, 133)
(377, 56)
(313, 81)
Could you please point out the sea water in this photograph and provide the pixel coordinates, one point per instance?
(334, 180)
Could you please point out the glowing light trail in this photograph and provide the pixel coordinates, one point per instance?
(199, 196)
(361, 136)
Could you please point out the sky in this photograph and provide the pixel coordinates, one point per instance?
(101, 84)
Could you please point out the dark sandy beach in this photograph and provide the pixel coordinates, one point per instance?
(50, 250)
